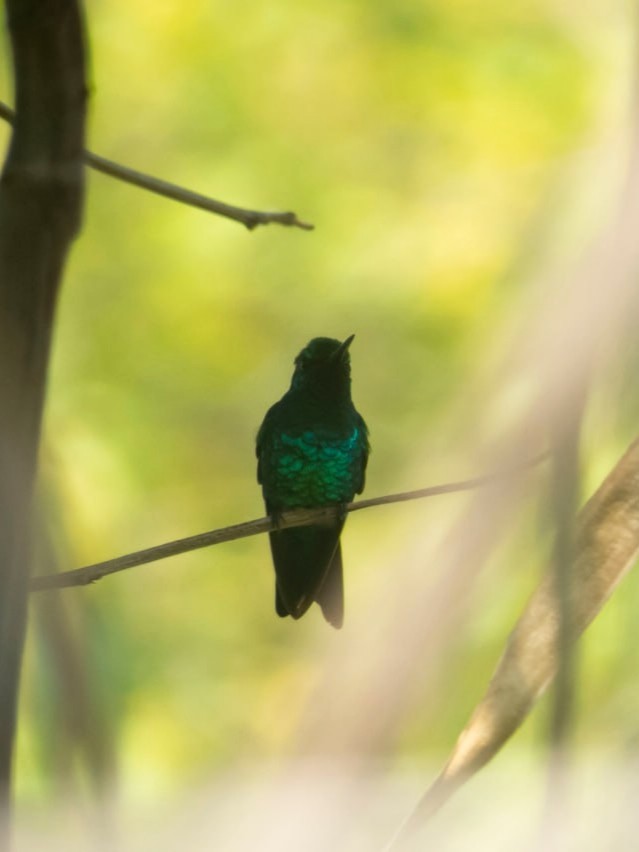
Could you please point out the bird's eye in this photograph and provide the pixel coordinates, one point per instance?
(302, 360)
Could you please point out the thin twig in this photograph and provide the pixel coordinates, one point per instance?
(250, 218)
(294, 518)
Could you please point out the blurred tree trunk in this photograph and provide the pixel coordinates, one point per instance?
(41, 192)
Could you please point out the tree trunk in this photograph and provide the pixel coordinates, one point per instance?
(41, 193)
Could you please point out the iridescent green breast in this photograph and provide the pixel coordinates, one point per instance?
(308, 469)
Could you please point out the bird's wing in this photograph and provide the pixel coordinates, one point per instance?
(366, 449)
(263, 438)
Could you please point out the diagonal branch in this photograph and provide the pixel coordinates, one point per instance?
(250, 218)
(295, 518)
(605, 548)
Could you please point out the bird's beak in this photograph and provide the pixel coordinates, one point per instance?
(343, 349)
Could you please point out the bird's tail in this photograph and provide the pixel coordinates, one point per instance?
(330, 595)
(308, 568)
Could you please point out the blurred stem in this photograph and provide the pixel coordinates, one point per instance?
(565, 489)
(64, 638)
(564, 502)
(250, 218)
(294, 518)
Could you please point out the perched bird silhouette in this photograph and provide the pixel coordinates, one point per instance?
(312, 450)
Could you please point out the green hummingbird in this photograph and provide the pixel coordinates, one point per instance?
(312, 450)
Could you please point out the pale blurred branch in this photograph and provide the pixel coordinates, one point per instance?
(295, 518)
(250, 218)
(605, 547)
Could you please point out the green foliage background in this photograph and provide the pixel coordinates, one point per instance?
(442, 150)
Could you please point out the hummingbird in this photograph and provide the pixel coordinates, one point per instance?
(312, 450)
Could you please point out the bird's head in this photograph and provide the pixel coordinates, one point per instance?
(323, 364)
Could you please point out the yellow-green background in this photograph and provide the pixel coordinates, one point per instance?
(442, 149)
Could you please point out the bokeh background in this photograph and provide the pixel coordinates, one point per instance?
(450, 154)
